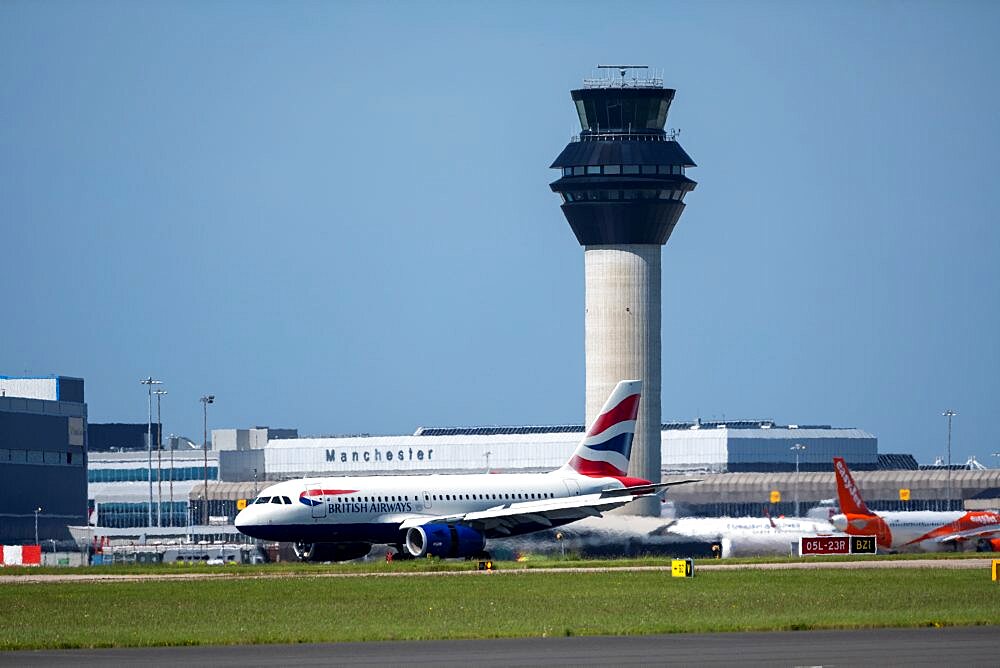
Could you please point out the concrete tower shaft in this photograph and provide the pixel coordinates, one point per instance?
(623, 185)
(622, 340)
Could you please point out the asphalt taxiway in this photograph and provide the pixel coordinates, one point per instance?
(970, 646)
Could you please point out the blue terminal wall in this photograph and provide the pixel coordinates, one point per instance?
(749, 452)
(43, 464)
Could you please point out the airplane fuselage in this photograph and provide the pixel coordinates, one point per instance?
(371, 508)
(750, 536)
(917, 530)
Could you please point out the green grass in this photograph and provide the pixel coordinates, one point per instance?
(438, 565)
(298, 609)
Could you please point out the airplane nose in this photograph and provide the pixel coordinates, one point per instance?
(839, 522)
(241, 519)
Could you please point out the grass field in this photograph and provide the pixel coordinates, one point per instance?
(247, 609)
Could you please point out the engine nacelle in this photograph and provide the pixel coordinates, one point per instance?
(330, 551)
(988, 545)
(444, 540)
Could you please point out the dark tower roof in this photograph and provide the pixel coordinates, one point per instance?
(623, 179)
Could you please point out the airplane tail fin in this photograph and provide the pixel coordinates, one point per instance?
(606, 448)
(767, 514)
(847, 491)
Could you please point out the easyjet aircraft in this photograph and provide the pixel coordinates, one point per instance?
(453, 515)
(911, 529)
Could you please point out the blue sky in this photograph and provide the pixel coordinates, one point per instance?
(336, 216)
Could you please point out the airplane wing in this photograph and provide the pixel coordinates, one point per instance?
(645, 490)
(513, 518)
(978, 532)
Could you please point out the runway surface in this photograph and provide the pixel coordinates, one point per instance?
(970, 646)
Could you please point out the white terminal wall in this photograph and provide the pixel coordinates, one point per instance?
(30, 388)
(681, 450)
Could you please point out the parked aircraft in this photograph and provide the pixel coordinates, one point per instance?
(748, 536)
(932, 531)
(453, 515)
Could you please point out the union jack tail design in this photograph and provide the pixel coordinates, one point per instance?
(607, 445)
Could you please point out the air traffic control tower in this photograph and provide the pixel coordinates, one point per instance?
(623, 185)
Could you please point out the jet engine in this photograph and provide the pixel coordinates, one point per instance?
(988, 545)
(444, 540)
(330, 551)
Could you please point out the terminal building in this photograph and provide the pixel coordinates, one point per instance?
(686, 447)
(120, 472)
(43, 458)
(48, 466)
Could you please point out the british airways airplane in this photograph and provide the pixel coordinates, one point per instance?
(331, 519)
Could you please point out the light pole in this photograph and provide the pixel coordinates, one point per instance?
(149, 383)
(159, 459)
(173, 446)
(797, 448)
(37, 510)
(949, 414)
(205, 401)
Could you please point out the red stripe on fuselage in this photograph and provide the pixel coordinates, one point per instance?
(327, 492)
(623, 412)
(966, 522)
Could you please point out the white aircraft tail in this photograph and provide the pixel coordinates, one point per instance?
(606, 448)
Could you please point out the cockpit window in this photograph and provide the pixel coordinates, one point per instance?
(277, 500)
(262, 499)
(287, 501)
